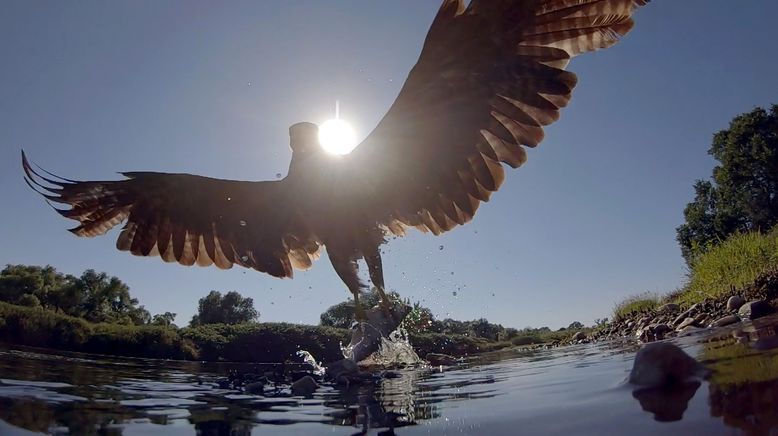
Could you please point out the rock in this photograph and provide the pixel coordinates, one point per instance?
(689, 329)
(700, 318)
(668, 308)
(727, 320)
(735, 302)
(579, 336)
(437, 359)
(660, 330)
(755, 309)
(255, 388)
(662, 364)
(338, 371)
(685, 323)
(680, 318)
(305, 386)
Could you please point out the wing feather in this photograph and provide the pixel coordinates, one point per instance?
(490, 76)
(188, 219)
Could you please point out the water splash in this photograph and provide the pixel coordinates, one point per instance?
(395, 350)
(310, 360)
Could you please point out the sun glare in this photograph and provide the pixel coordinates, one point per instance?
(337, 137)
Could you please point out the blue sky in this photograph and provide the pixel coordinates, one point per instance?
(92, 88)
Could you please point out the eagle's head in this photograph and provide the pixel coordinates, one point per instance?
(304, 138)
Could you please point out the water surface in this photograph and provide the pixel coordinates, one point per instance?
(571, 390)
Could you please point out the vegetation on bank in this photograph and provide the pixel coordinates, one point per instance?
(635, 304)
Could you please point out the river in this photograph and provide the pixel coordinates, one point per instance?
(572, 390)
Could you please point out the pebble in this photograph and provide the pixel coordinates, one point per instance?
(685, 323)
(662, 364)
(735, 302)
(755, 309)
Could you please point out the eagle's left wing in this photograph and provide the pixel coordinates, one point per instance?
(489, 77)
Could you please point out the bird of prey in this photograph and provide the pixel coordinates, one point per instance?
(490, 76)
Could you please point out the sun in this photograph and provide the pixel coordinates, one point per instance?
(337, 137)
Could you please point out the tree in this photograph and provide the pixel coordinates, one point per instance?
(341, 315)
(164, 319)
(22, 282)
(231, 308)
(575, 325)
(743, 193)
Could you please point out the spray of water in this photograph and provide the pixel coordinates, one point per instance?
(309, 359)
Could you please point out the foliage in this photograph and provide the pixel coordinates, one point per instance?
(93, 296)
(743, 193)
(231, 308)
(164, 319)
(418, 320)
(44, 328)
(634, 304)
(341, 315)
(733, 264)
(266, 342)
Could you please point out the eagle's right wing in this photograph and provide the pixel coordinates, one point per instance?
(189, 219)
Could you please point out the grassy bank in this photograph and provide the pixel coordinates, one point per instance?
(736, 266)
(254, 342)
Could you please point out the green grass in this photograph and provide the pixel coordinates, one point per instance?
(644, 302)
(732, 265)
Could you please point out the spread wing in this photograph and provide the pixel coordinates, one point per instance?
(188, 219)
(489, 77)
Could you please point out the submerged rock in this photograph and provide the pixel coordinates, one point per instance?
(662, 364)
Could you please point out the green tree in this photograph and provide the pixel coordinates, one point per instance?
(743, 193)
(230, 308)
(575, 325)
(164, 319)
(341, 315)
(19, 282)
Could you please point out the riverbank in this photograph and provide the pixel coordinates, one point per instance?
(248, 342)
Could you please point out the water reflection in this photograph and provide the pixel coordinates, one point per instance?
(521, 389)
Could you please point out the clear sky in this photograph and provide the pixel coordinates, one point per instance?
(91, 88)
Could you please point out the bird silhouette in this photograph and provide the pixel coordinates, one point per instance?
(490, 76)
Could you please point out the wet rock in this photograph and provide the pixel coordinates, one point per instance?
(727, 320)
(735, 302)
(689, 329)
(255, 388)
(305, 386)
(685, 323)
(755, 309)
(660, 330)
(662, 364)
(700, 318)
(680, 318)
(437, 359)
(579, 336)
(340, 370)
(668, 308)
(223, 382)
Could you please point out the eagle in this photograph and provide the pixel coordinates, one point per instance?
(490, 76)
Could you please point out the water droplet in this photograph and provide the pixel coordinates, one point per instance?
(229, 198)
(310, 287)
(272, 302)
(244, 258)
(249, 83)
(242, 223)
(492, 294)
(278, 175)
(455, 293)
(440, 247)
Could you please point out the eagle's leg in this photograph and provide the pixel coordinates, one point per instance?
(348, 271)
(377, 277)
